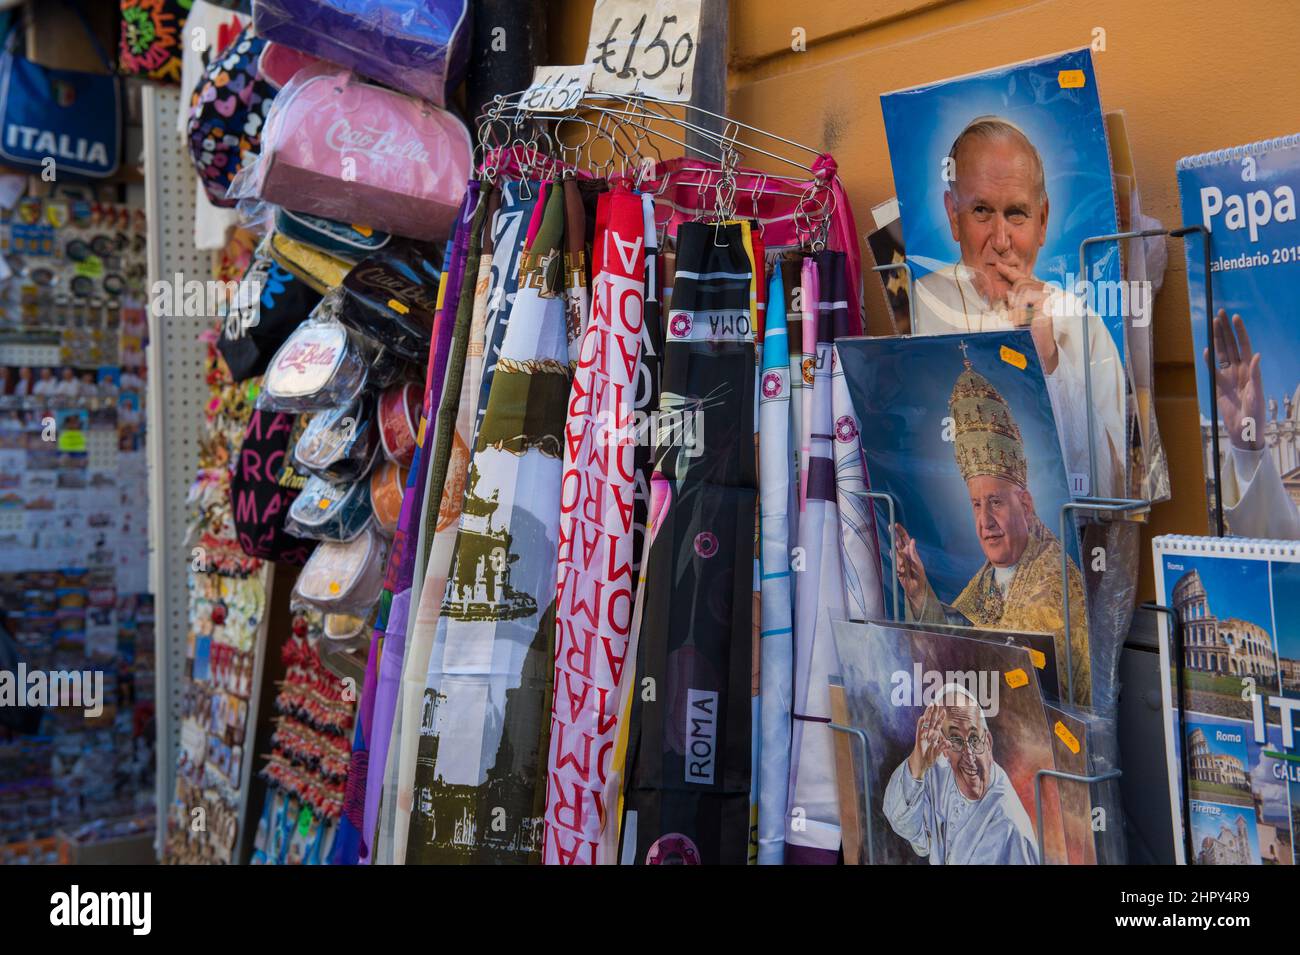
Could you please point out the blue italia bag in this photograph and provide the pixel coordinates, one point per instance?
(71, 117)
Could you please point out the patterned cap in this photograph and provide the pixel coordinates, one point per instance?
(987, 439)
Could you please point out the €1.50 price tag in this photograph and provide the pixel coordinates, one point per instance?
(644, 46)
(556, 89)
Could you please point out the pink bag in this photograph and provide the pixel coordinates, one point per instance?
(339, 147)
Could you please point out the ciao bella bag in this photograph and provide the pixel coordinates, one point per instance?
(67, 116)
(264, 487)
(269, 305)
(338, 147)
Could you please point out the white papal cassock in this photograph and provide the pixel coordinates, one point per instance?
(941, 823)
(1255, 504)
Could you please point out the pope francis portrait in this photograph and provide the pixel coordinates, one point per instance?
(997, 209)
(950, 799)
(1019, 586)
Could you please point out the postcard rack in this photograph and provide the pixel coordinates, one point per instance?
(861, 736)
(1080, 506)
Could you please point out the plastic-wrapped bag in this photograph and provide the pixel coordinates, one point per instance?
(228, 114)
(344, 578)
(319, 269)
(338, 147)
(391, 299)
(339, 444)
(420, 47)
(270, 304)
(318, 367)
(343, 631)
(387, 485)
(330, 512)
(342, 239)
(263, 487)
(399, 414)
(388, 368)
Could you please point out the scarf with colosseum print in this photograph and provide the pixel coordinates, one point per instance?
(688, 750)
(434, 451)
(597, 515)
(438, 541)
(480, 779)
(353, 843)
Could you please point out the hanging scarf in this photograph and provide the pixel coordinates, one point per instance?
(519, 216)
(406, 731)
(813, 830)
(348, 845)
(792, 275)
(480, 778)
(598, 490)
(433, 460)
(758, 319)
(859, 556)
(811, 294)
(647, 381)
(688, 772)
(776, 642)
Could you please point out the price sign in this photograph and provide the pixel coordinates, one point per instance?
(556, 89)
(644, 46)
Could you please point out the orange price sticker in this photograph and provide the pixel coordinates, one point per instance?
(1038, 658)
(397, 306)
(324, 504)
(1016, 678)
(1066, 737)
(1071, 79)
(1013, 357)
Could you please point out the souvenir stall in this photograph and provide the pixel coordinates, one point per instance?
(610, 469)
(580, 449)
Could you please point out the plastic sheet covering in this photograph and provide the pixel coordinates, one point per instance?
(420, 47)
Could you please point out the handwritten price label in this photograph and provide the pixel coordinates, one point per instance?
(644, 46)
(557, 89)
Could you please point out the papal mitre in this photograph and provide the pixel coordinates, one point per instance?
(986, 439)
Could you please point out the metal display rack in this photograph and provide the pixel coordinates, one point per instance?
(1081, 505)
(177, 399)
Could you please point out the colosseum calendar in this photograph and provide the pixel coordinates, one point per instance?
(1234, 744)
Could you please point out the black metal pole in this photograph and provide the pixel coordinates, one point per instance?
(510, 41)
(709, 89)
(1184, 771)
